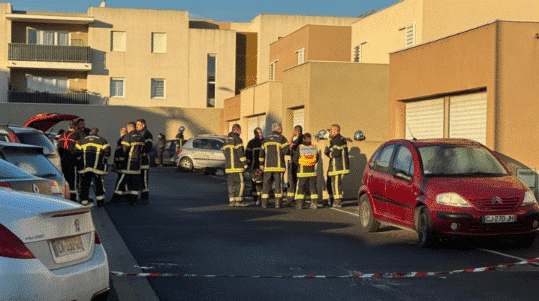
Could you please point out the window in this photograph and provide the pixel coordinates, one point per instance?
(272, 70)
(46, 84)
(159, 42)
(211, 80)
(301, 56)
(382, 161)
(117, 87)
(217, 144)
(48, 37)
(202, 144)
(118, 41)
(158, 88)
(409, 35)
(403, 161)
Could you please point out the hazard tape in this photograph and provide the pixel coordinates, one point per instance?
(373, 275)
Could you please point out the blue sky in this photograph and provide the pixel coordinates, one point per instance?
(219, 10)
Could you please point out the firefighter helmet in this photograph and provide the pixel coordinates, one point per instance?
(359, 136)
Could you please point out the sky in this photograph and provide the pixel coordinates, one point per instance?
(218, 10)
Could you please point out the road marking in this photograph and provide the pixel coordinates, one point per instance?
(506, 255)
(340, 210)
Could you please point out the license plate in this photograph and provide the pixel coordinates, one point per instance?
(496, 219)
(67, 246)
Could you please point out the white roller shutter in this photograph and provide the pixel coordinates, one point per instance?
(254, 122)
(298, 117)
(468, 117)
(425, 119)
(262, 124)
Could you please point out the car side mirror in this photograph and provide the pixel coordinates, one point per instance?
(399, 174)
(359, 136)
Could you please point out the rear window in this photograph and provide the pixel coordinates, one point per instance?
(32, 162)
(10, 171)
(38, 139)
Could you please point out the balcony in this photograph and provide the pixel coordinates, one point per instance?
(49, 57)
(44, 97)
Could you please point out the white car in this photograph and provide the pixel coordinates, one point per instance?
(49, 250)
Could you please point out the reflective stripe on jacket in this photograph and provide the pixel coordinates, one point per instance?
(306, 157)
(234, 154)
(274, 148)
(95, 151)
(132, 145)
(337, 152)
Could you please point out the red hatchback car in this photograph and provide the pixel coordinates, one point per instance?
(445, 188)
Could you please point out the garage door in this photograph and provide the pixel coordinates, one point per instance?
(425, 119)
(468, 117)
(298, 117)
(254, 122)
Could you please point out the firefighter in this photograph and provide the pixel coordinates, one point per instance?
(306, 157)
(180, 138)
(271, 157)
(235, 165)
(129, 183)
(82, 129)
(95, 151)
(66, 149)
(119, 166)
(145, 160)
(339, 164)
(295, 141)
(252, 153)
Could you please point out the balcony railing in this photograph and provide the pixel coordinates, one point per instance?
(44, 97)
(49, 53)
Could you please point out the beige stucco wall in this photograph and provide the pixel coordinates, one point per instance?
(383, 31)
(222, 43)
(5, 39)
(447, 17)
(109, 119)
(460, 63)
(138, 65)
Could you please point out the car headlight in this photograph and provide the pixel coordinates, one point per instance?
(452, 199)
(529, 199)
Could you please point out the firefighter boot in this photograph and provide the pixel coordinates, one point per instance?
(277, 203)
(337, 203)
(264, 203)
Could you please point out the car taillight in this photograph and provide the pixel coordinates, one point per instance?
(5, 184)
(12, 246)
(97, 240)
(55, 187)
(67, 194)
(13, 137)
(179, 151)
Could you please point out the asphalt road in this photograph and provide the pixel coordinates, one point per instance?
(188, 228)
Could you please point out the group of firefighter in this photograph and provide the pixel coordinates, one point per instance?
(264, 160)
(84, 156)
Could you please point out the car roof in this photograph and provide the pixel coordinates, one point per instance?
(4, 145)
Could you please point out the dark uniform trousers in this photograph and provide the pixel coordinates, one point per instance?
(69, 169)
(336, 188)
(306, 184)
(99, 187)
(292, 182)
(145, 190)
(128, 184)
(235, 186)
(256, 185)
(271, 178)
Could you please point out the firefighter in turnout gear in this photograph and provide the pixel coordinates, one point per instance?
(295, 141)
(339, 165)
(129, 183)
(95, 151)
(67, 149)
(145, 160)
(119, 164)
(235, 165)
(252, 153)
(306, 157)
(274, 147)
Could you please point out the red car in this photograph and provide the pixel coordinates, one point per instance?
(445, 188)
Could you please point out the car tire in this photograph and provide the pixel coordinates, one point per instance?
(185, 164)
(525, 241)
(425, 231)
(366, 219)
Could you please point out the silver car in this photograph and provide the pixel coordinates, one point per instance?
(202, 152)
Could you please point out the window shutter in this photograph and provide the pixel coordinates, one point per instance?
(468, 117)
(118, 41)
(301, 56)
(410, 35)
(425, 119)
(158, 88)
(357, 54)
(159, 42)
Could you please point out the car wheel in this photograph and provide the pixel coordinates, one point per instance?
(185, 164)
(524, 241)
(425, 232)
(366, 219)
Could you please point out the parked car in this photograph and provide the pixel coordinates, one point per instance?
(446, 188)
(31, 159)
(50, 250)
(202, 152)
(15, 178)
(169, 155)
(32, 132)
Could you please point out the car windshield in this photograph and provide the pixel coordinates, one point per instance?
(30, 161)
(37, 139)
(459, 161)
(10, 171)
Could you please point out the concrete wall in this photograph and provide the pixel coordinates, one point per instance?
(210, 41)
(138, 65)
(5, 39)
(109, 119)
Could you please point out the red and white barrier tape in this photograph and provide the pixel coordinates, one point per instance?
(373, 275)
